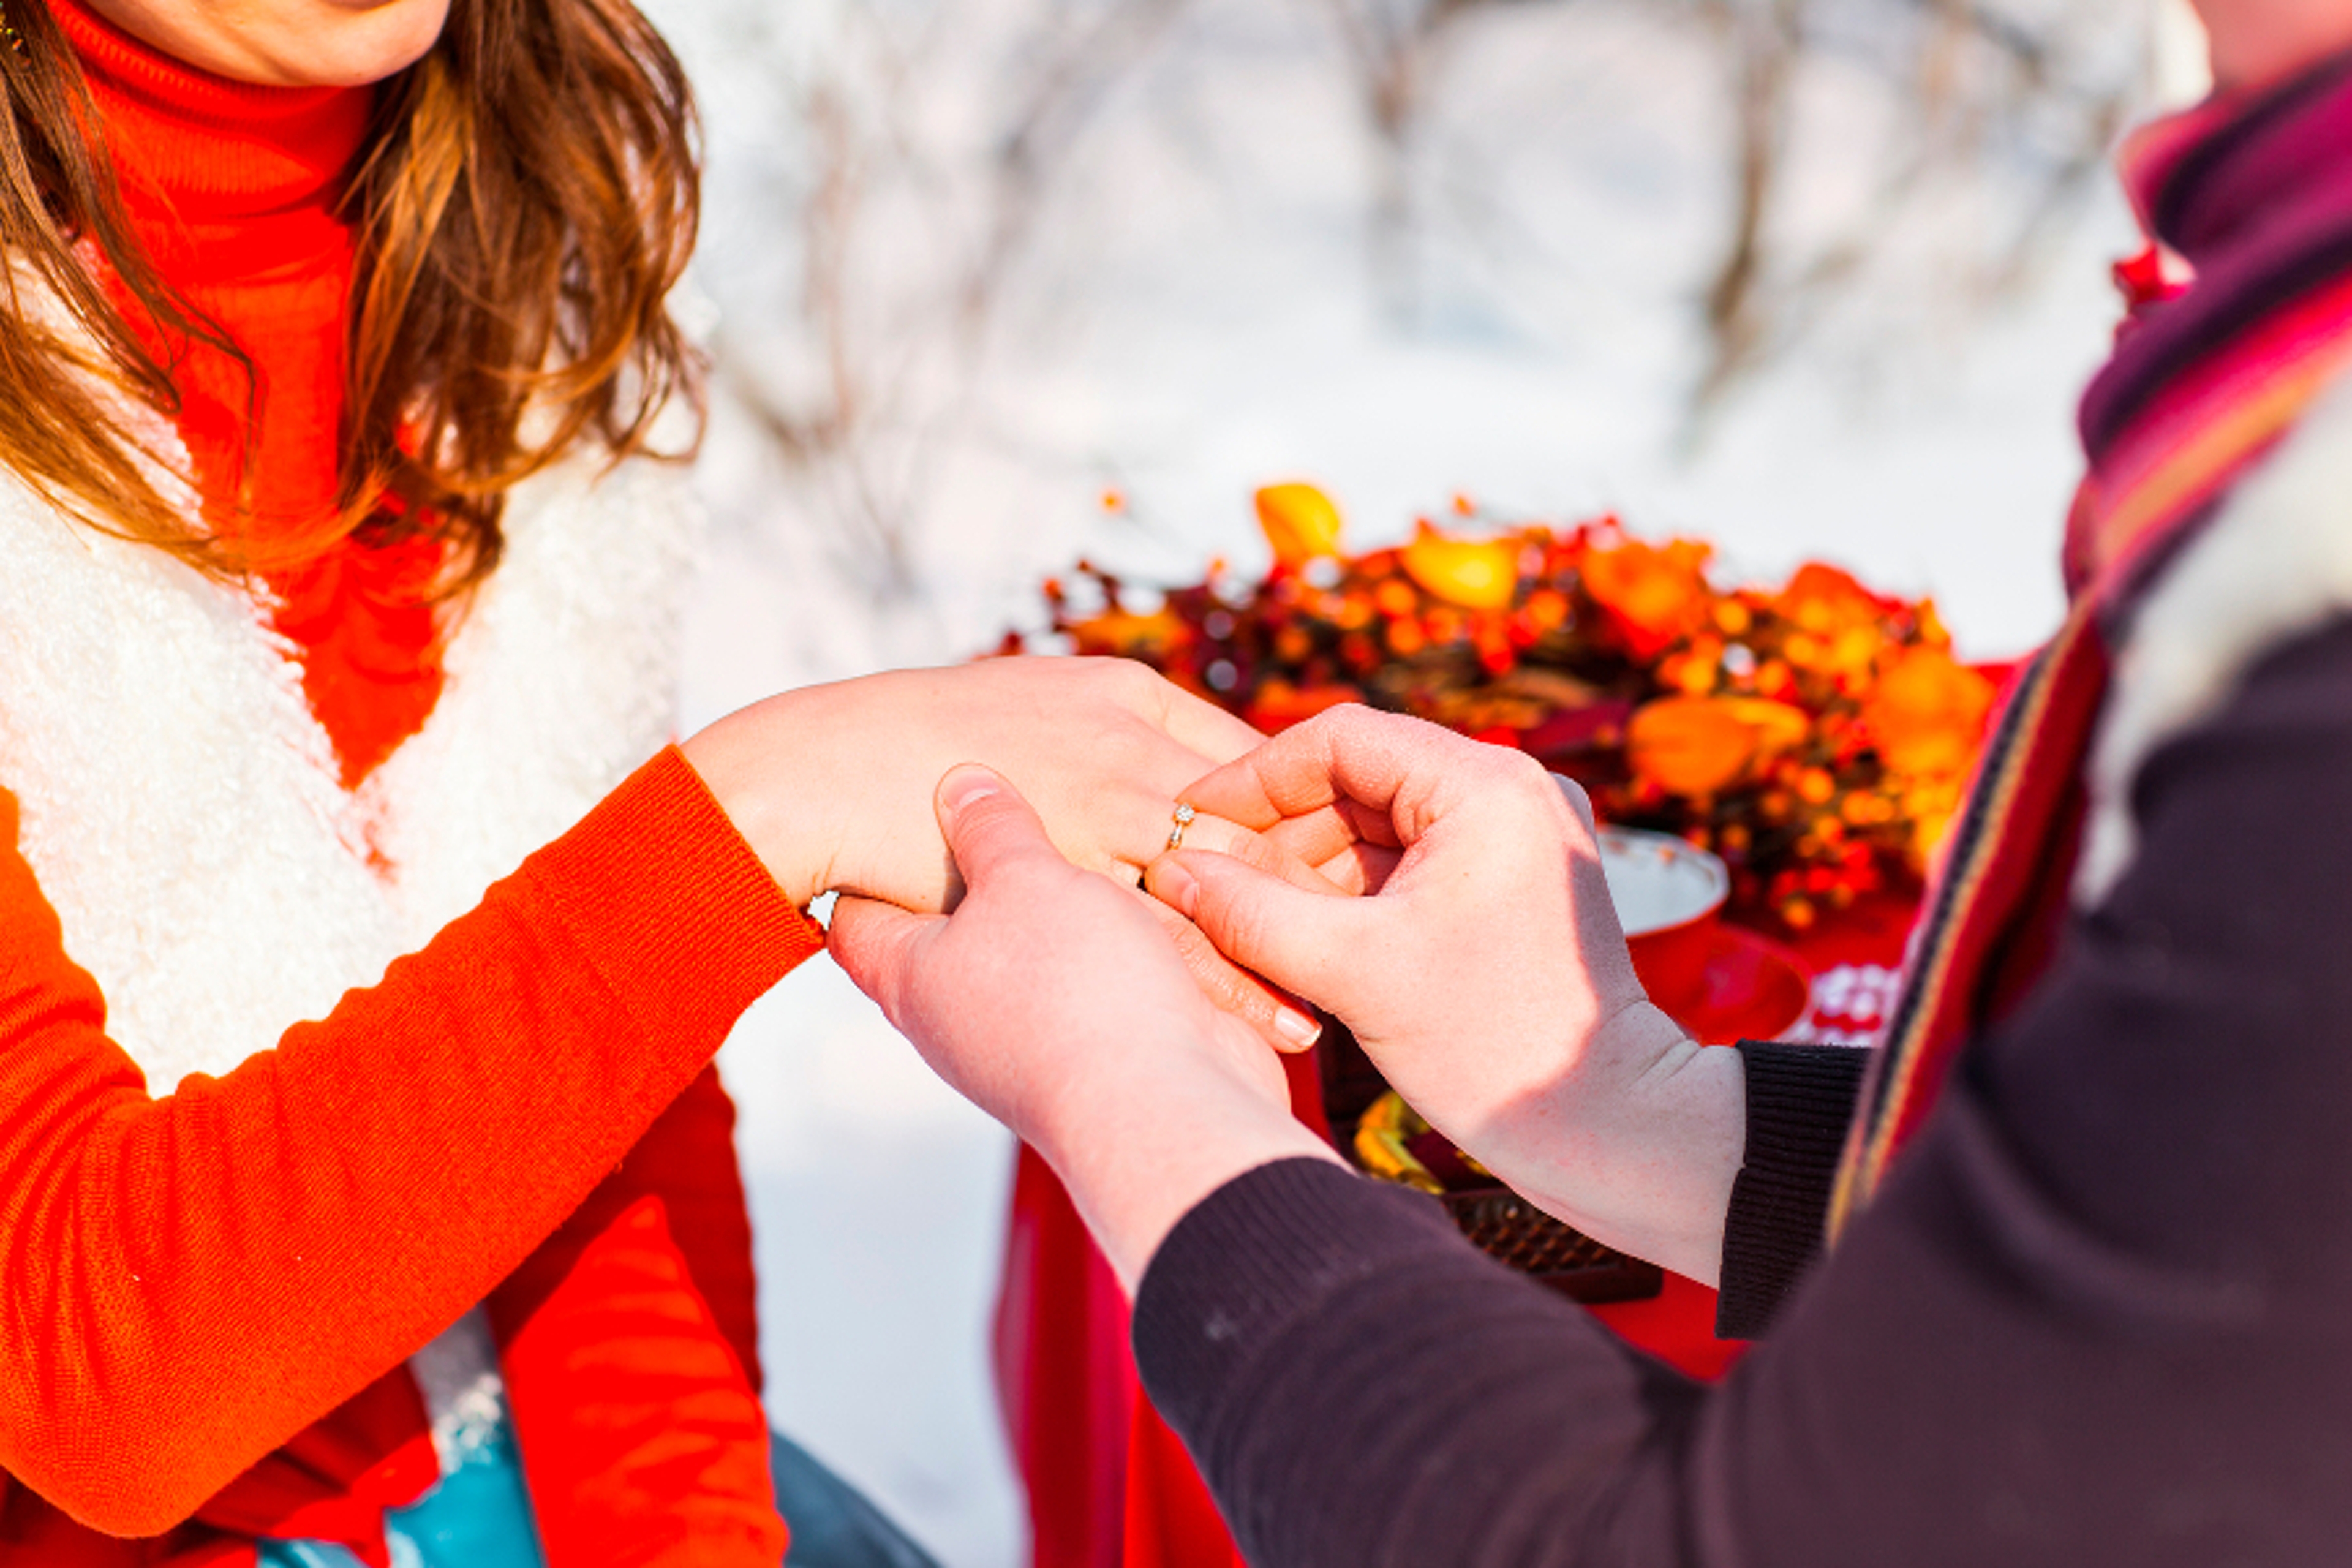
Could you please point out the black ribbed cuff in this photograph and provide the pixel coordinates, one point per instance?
(1258, 1253)
(1801, 1100)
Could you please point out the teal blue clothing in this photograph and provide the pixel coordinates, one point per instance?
(480, 1517)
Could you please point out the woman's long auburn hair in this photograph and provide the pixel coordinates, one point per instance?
(526, 199)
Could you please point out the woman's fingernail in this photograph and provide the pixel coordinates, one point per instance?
(1171, 884)
(1296, 1027)
(965, 785)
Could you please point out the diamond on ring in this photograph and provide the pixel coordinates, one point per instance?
(1185, 814)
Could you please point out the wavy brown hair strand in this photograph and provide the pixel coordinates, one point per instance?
(526, 201)
(64, 364)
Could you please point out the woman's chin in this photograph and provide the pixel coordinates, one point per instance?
(339, 44)
(287, 43)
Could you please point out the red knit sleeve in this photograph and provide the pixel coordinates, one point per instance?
(629, 1345)
(191, 1280)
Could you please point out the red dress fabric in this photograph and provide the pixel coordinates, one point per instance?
(159, 1250)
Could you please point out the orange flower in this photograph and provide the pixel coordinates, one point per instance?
(1778, 726)
(1688, 745)
(1476, 574)
(1299, 522)
(1927, 714)
(1278, 704)
(1821, 598)
(1655, 594)
(1700, 745)
(1147, 637)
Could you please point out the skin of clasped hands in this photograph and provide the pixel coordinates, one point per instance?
(833, 786)
(1441, 897)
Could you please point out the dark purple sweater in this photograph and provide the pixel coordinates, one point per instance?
(2100, 1315)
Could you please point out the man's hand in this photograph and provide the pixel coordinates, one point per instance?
(1054, 1000)
(1485, 974)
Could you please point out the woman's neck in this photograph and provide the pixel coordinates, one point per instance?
(223, 180)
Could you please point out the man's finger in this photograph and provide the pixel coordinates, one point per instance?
(1298, 939)
(877, 946)
(1344, 753)
(1360, 869)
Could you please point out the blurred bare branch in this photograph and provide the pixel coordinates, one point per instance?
(1990, 94)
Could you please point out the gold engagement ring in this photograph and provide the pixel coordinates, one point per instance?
(1185, 814)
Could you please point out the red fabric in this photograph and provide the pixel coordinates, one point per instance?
(1064, 1374)
(184, 1272)
(369, 644)
(1172, 1520)
(667, 1461)
(335, 1478)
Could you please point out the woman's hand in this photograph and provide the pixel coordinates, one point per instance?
(1054, 1000)
(1485, 974)
(832, 784)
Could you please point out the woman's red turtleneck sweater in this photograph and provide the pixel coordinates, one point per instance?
(210, 1295)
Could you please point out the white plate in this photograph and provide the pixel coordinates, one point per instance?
(1658, 882)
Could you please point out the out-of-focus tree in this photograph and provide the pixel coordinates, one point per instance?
(2029, 95)
(923, 138)
(923, 146)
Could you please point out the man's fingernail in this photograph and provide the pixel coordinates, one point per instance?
(966, 785)
(1174, 884)
(1296, 1027)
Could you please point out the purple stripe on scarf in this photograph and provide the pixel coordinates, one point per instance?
(2262, 210)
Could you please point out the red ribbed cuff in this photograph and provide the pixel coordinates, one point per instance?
(671, 905)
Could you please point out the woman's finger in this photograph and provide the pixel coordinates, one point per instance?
(1304, 942)
(1262, 850)
(1279, 1019)
(1205, 727)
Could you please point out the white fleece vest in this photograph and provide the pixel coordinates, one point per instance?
(181, 805)
(183, 810)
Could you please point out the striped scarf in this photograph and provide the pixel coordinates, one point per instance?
(2254, 195)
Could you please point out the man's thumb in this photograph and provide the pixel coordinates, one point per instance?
(986, 822)
(877, 945)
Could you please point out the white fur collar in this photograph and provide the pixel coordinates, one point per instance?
(180, 804)
(2276, 564)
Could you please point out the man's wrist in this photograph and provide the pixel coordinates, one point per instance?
(1640, 1146)
(1137, 1153)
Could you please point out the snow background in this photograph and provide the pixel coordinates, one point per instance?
(930, 370)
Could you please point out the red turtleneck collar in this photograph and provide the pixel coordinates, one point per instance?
(236, 191)
(254, 174)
